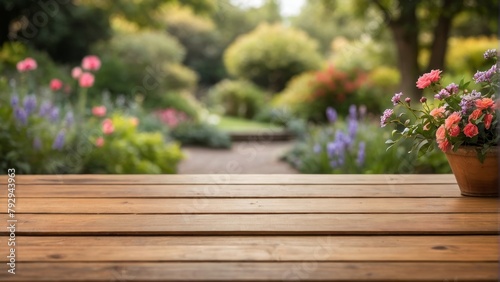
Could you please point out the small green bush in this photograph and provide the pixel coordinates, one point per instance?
(201, 134)
(237, 98)
(126, 150)
(272, 54)
(465, 55)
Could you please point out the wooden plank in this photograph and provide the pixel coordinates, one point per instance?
(254, 206)
(256, 248)
(254, 271)
(295, 179)
(235, 191)
(248, 224)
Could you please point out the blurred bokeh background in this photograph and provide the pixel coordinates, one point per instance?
(230, 76)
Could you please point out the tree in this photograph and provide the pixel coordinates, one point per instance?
(409, 20)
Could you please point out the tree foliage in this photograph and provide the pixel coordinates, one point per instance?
(271, 55)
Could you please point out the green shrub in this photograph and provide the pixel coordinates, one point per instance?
(145, 63)
(201, 134)
(126, 150)
(271, 55)
(310, 94)
(381, 84)
(237, 98)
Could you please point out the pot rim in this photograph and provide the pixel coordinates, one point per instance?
(471, 150)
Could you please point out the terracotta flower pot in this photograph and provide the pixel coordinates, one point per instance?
(473, 177)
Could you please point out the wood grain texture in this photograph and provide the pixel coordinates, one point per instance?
(293, 179)
(246, 224)
(257, 248)
(236, 191)
(254, 271)
(253, 206)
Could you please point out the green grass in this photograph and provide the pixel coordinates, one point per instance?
(233, 124)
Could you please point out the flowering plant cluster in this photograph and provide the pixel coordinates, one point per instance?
(459, 116)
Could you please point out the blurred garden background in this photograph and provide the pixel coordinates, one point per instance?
(151, 86)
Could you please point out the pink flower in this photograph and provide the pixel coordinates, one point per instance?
(55, 84)
(428, 78)
(91, 63)
(99, 142)
(76, 72)
(470, 130)
(441, 134)
(27, 64)
(438, 112)
(107, 126)
(451, 120)
(99, 111)
(445, 146)
(86, 80)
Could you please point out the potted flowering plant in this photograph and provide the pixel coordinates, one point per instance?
(462, 122)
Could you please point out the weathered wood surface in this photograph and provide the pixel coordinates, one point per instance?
(250, 228)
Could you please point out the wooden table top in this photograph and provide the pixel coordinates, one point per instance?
(248, 228)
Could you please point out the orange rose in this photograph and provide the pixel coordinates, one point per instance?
(451, 120)
(470, 130)
(475, 114)
(485, 103)
(487, 121)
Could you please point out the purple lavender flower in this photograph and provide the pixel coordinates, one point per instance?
(352, 128)
(54, 114)
(469, 100)
(384, 119)
(353, 112)
(490, 53)
(331, 114)
(360, 160)
(29, 104)
(37, 143)
(446, 92)
(21, 115)
(14, 100)
(332, 149)
(442, 94)
(69, 119)
(45, 108)
(59, 141)
(452, 88)
(485, 76)
(396, 98)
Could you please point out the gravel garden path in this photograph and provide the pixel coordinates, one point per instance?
(247, 157)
